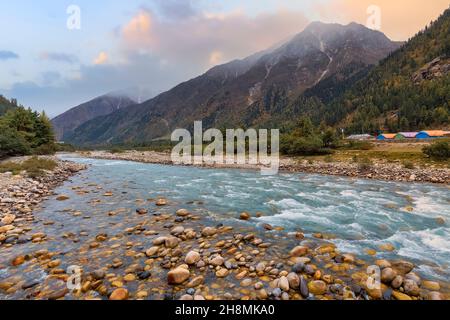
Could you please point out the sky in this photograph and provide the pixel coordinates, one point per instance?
(55, 55)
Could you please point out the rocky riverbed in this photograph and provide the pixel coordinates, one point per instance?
(378, 171)
(128, 246)
(161, 252)
(19, 195)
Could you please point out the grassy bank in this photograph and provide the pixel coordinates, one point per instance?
(34, 166)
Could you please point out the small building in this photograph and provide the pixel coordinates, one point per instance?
(360, 137)
(431, 134)
(405, 135)
(386, 136)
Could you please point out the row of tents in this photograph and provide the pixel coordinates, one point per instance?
(428, 134)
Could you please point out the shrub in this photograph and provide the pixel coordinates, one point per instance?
(439, 150)
(408, 165)
(328, 159)
(364, 164)
(307, 146)
(116, 150)
(45, 149)
(359, 145)
(12, 143)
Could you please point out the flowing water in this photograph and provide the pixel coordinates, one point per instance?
(357, 214)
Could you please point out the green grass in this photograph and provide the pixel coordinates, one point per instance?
(34, 166)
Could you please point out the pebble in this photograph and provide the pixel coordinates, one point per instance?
(387, 275)
(196, 282)
(192, 257)
(119, 294)
(411, 288)
(317, 287)
(304, 289)
(299, 251)
(222, 273)
(209, 231)
(182, 213)
(244, 216)
(178, 275)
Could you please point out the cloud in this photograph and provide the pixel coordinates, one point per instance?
(102, 58)
(400, 20)
(155, 52)
(58, 57)
(6, 55)
(208, 38)
(176, 9)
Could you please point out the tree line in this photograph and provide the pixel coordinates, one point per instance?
(24, 131)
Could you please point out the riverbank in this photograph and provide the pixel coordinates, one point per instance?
(377, 170)
(20, 194)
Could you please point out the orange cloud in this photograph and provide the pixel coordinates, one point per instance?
(137, 33)
(400, 19)
(102, 58)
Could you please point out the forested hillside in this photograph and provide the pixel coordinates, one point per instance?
(409, 90)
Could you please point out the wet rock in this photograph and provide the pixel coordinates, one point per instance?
(260, 267)
(383, 264)
(222, 273)
(161, 202)
(277, 292)
(8, 219)
(317, 287)
(209, 232)
(431, 285)
(196, 282)
(142, 211)
(387, 247)
(62, 198)
(119, 294)
(400, 296)
(244, 216)
(262, 294)
(177, 231)
(434, 295)
(298, 267)
(17, 261)
(29, 284)
(171, 242)
(397, 282)
(182, 213)
(192, 257)
(411, 288)
(283, 284)
(216, 260)
(294, 280)
(178, 275)
(152, 251)
(143, 275)
(299, 251)
(403, 267)
(186, 297)
(387, 275)
(414, 277)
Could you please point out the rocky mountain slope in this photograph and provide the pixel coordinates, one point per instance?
(249, 92)
(65, 123)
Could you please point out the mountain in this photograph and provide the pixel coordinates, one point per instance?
(249, 92)
(65, 123)
(407, 91)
